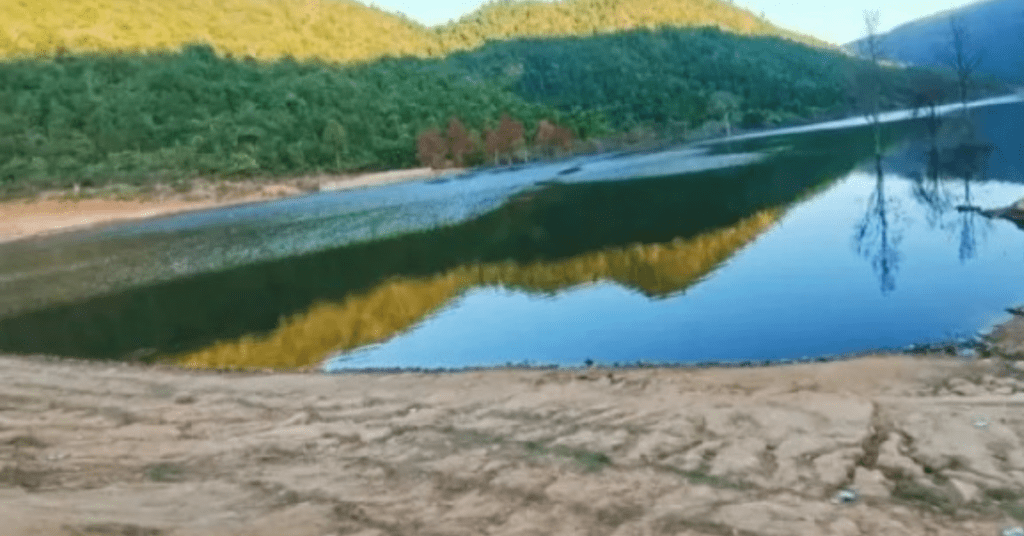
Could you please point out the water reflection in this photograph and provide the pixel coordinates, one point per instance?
(656, 235)
(728, 263)
(878, 234)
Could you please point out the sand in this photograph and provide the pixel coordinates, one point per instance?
(932, 445)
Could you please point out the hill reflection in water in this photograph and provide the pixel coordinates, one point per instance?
(657, 235)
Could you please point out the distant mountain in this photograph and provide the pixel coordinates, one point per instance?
(507, 19)
(995, 27)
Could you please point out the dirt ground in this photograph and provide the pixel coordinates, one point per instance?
(930, 445)
(52, 212)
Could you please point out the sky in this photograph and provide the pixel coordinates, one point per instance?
(836, 21)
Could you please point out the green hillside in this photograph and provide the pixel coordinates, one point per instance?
(100, 119)
(332, 30)
(500, 20)
(158, 113)
(329, 30)
(679, 77)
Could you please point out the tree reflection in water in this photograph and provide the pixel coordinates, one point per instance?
(962, 157)
(969, 162)
(878, 234)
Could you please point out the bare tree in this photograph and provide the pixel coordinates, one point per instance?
(962, 57)
(868, 83)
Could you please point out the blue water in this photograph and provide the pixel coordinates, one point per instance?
(801, 290)
(859, 260)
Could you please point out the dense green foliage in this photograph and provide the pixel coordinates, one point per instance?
(96, 119)
(688, 77)
(669, 76)
(502, 20)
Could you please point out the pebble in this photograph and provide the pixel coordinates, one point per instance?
(184, 398)
(1013, 531)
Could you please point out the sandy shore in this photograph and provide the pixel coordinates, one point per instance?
(53, 212)
(931, 446)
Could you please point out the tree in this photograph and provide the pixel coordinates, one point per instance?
(961, 57)
(506, 139)
(927, 92)
(335, 142)
(460, 144)
(725, 105)
(868, 84)
(551, 137)
(431, 149)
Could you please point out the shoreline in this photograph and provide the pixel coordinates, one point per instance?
(56, 212)
(114, 449)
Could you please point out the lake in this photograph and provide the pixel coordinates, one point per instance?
(780, 246)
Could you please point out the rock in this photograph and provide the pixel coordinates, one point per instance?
(968, 492)
(844, 527)
(184, 398)
(299, 419)
(833, 468)
(963, 387)
(1003, 391)
(743, 456)
(871, 483)
(889, 457)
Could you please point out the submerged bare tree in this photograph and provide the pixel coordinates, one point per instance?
(868, 83)
(962, 56)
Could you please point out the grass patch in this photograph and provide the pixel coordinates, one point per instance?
(587, 460)
(165, 472)
(18, 477)
(1007, 500)
(910, 491)
(1014, 510)
(1002, 494)
(702, 477)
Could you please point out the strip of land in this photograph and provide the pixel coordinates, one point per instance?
(53, 212)
(921, 445)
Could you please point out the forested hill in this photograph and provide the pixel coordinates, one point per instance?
(995, 30)
(327, 30)
(502, 20)
(675, 77)
(96, 119)
(338, 31)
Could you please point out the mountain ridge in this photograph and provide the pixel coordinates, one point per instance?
(342, 31)
(989, 25)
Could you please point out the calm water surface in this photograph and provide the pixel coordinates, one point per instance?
(780, 247)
